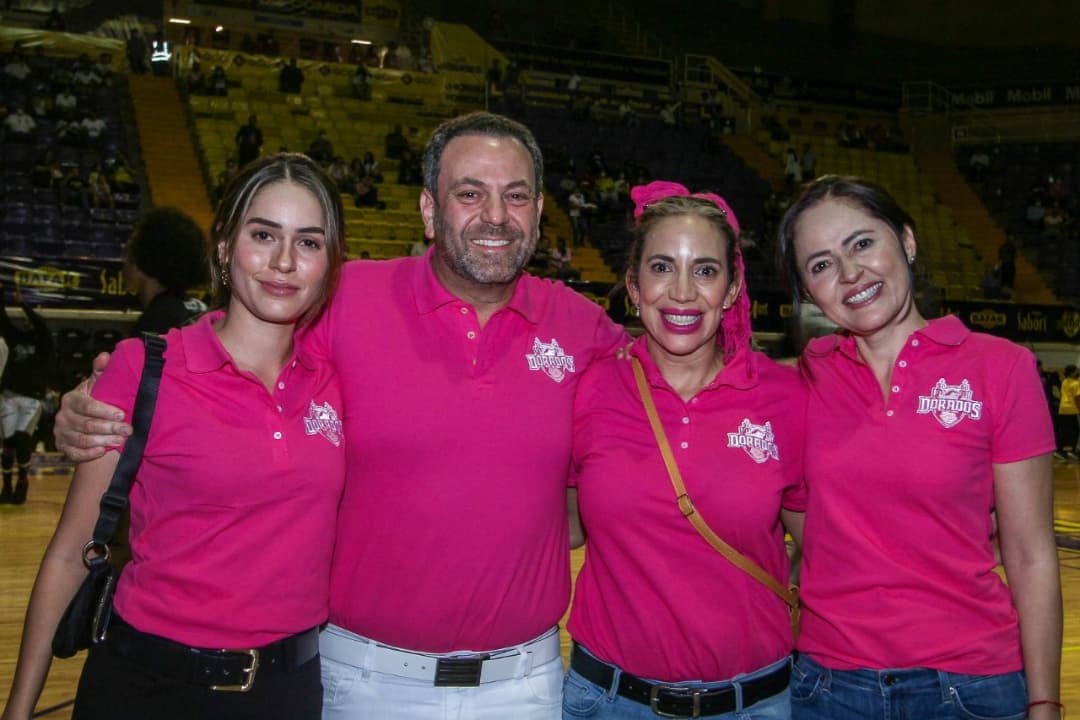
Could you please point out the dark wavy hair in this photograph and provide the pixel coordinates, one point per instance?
(169, 246)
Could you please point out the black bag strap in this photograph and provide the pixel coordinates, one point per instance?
(115, 498)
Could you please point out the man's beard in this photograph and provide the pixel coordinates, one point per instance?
(474, 264)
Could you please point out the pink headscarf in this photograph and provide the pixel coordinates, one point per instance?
(735, 326)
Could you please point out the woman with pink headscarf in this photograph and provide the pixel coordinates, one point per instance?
(662, 622)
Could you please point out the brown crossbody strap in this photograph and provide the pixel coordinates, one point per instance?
(686, 506)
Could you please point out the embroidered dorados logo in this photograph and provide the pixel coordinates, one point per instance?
(324, 421)
(757, 440)
(950, 403)
(550, 358)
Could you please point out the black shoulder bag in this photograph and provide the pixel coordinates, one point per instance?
(86, 619)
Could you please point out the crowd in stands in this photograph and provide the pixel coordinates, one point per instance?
(1032, 190)
(69, 188)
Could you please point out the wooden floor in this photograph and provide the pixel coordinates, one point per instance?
(25, 530)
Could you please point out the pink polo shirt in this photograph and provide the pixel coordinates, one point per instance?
(234, 507)
(653, 597)
(898, 569)
(453, 531)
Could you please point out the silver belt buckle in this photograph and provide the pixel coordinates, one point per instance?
(693, 693)
(248, 682)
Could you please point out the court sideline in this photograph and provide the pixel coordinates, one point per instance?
(25, 531)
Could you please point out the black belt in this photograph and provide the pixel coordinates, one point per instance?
(224, 670)
(675, 700)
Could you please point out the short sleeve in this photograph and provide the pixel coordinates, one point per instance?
(795, 494)
(584, 417)
(1022, 425)
(119, 383)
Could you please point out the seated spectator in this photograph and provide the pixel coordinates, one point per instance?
(395, 144)
(1035, 214)
(425, 64)
(339, 174)
(808, 162)
(390, 56)
(84, 74)
(361, 83)
(372, 59)
(370, 168)
(73, 187)
(321, 150)
(1055, 218)
(597, 111)
(622, 190)
(65, 103)
(16, 69)
(196, 80)
(41, 106)
(668, 114)
(101, 193)
(494, 77)
(605, 189)
(20, 126)
(512, 76)
(121, 175)
(69, 132)
(627, 115)
(93, 126)
(559, 261)
(103, 68)
(1055, 187)
(596, 163)
(409, 170)
(792, 169)
(219, 81)
(404, 57)
(707, 110)
(46, 173)
(223, 179)
(1006, 266)
(419, 247)
(578, 219)
(291, 78)
(366, 194)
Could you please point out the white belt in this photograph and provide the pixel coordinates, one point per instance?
(449, 670)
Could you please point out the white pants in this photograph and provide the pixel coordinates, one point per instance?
(19, 413)
(356, 685)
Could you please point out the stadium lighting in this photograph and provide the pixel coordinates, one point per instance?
(361, 42)
(179, 21)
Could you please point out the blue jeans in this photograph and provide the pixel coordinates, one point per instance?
(818, 693)
(583, 699)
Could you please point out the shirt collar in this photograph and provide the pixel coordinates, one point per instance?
(431, 295)
(948, 330)
(741, 373)
(203, 351)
